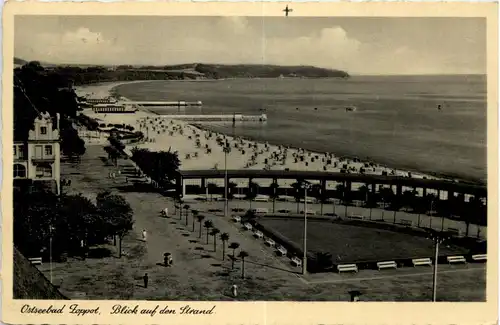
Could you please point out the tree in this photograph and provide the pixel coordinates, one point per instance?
(408, 198)
(318, 193)
(234, 246)
(34, 214)
(118, 214)
(82, 220)
(214, 233)
(113, 154)
(195, 215)
(212, 188)
(208, 224)
(231, 189)
(274, 194)
(341, 190)
(186, 208)
(253, 190)
(298, 192)
(161, 166)
(224, 237)
(243, 255)
(200, 219)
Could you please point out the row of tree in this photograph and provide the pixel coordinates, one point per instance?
(161, 166)
(71, 222)
(474, 211)
(185, 212)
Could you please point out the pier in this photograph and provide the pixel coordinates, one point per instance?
(218, 118)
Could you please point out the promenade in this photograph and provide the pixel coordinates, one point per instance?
(199, 273)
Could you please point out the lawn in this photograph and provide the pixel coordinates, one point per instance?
(349, 244)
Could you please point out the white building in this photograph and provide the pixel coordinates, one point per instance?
(39, 157)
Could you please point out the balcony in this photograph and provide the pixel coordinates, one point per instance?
(43, 158)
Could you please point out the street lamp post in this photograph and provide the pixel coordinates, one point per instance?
(226, 151)
(305, 186)
(439, 237)
(50, 250)
(430, 213)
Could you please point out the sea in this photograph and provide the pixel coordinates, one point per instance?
(396, 123)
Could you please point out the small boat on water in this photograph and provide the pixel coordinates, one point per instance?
(350, 109)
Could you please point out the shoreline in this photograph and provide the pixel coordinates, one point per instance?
(443, 176)
(109, 89)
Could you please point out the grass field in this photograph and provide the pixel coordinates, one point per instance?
(348, 243)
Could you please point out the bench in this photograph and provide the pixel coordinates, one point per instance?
(248, 226)
(309, 212)
(479, 257)
(421, 261)
(261, 199)
(35, 260)
(456, 259)
(454, 231)
(258, 234)
(347, 268)
(284, 211)
(387, 265)
(282, 250)
(296, 261)
(270, 242)
(236, 218)
(356, 217)
(406, 222)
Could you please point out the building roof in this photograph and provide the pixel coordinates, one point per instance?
(445, 185)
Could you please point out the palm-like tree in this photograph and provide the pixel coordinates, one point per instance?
(341, 192)
(318, 194)
(214, 233)
(212, 188)
(253, 191)
(200, 218)
(195, 216)
(230, 190)
(243, 255)
(234, 246)
(186, 207)
(208, 224)
(298, 192)
(274, 194)
(364, 193)
(180, 207)
(224, 237)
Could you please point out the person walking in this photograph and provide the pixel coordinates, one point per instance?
(144, 235)
(234, 290)
(145, 278)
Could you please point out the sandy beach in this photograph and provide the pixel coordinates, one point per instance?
(203, 149)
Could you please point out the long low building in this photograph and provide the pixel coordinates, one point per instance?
(164, 103)
(398, 181)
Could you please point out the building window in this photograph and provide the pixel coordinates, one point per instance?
(48, 150)
(21, 152)
(19, 170)
(43, 130)
(15, 151)
(44, 170)
(38, 152)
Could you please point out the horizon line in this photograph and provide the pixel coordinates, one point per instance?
(352, 74)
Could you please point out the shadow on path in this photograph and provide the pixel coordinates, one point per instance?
(272, 267)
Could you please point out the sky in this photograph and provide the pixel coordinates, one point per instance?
(358, 45)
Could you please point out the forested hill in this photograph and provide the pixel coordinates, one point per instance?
(84, 74)
(266, 71)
